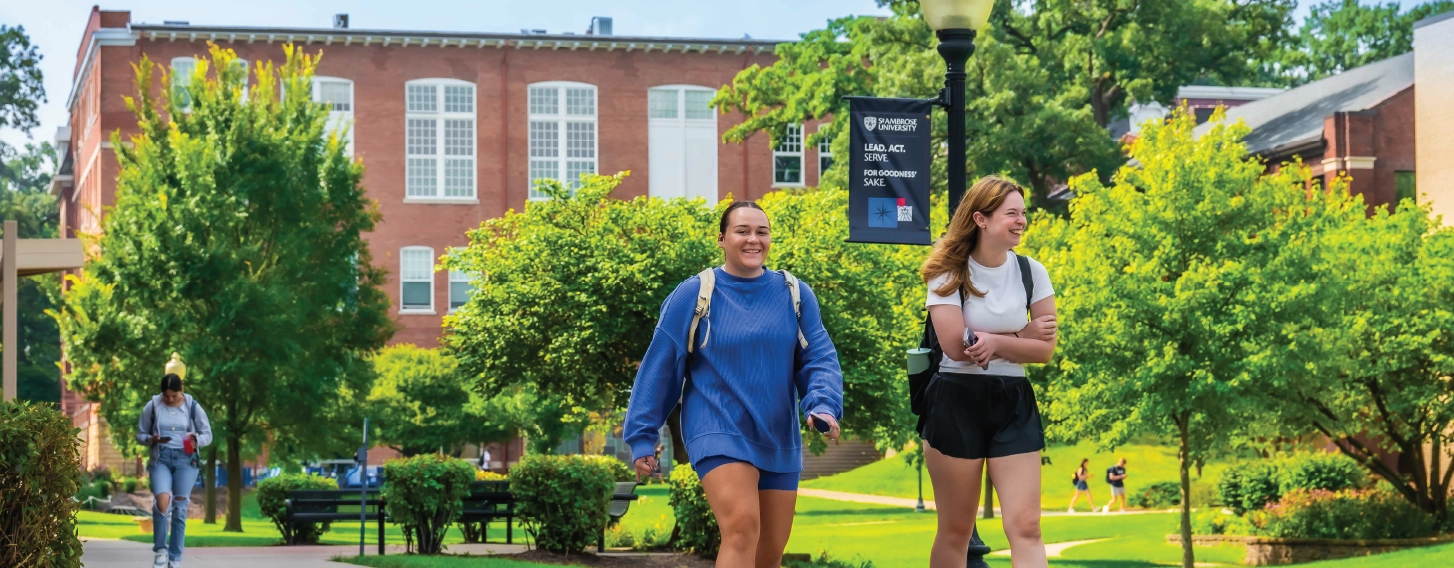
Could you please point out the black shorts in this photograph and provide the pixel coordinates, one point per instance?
(982, 416)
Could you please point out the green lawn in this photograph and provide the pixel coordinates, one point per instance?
(1442, 555)
(440, 562)
(1145, 465)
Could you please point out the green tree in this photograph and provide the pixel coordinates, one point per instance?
(21, 88)
(25, 198)
(1339, 35)
(421, 404)
(1182, 291)
(1384, 386)
(568, 292)
(235, 240)
(1046, 78)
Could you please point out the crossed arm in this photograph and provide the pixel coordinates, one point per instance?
(1035, 343)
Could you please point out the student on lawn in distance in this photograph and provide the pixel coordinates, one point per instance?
(980, 407)
(743, 366)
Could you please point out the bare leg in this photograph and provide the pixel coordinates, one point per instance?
(1092, 499)
(732, 493)
(1017, 479)
(777, 525)
(956, 497)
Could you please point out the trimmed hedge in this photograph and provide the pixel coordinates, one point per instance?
(564, 500)
(1159, 495)
(696, 529)
(1348, 514)
(271, 493)
(40, 469)
(1250, 487)
(620, 471)
(425, 494)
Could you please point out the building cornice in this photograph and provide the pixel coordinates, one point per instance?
(104, 37)
(398, 38)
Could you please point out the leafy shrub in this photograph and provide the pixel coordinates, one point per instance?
(620, 471)
(1214, 522)
(99, 473)
(1320, 470)
(1347, 514)
(1159, 495)
(271, 493)
(696, 526)
(1249, 487)
(40, 469)
(425, 495)
(564, 500)
(129, 484)
(482, 475)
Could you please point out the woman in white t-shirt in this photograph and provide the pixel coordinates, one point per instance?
(980, 407)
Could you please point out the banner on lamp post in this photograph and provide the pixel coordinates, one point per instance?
(888, 171)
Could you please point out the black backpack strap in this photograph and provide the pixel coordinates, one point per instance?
(1026, 278)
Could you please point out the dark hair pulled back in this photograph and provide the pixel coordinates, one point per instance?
(171, 382)
(722, 225)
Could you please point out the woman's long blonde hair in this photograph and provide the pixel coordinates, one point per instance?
(951, 253)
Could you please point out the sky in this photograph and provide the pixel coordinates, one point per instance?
(55, 26)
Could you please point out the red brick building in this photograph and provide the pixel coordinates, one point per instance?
(1359, 122)
(453, 129)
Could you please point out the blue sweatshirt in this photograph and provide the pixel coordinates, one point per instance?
(744, 386)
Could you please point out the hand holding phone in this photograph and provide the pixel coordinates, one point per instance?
(162, 439)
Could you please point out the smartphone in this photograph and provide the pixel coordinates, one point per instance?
(969, 340)
(164, 439)
(821, 425)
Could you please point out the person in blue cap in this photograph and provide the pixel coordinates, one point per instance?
(744, 351)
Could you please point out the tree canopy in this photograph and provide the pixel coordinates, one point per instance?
(1339, 35)
(235, 240)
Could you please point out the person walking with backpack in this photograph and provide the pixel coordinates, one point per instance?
(1081, 479)
(1116, 477)
(175, 428)
(979, 408)
(744, 351)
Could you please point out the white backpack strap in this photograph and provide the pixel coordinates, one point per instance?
(797, 295)
(704, 304)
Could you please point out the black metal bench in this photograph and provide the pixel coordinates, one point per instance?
(313, 506)
(489, 501)
(621, 500)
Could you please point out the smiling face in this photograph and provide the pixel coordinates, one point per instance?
(746, 240)
(1001, 229)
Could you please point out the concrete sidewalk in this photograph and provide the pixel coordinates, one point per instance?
(106, 553)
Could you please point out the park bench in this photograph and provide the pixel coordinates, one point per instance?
(313, 506)
(489, 501)
(621, 500)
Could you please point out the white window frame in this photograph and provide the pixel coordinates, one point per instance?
(402, 254)
(439, 116)
(825, 150)
(459, 276)
(338, 118)
(191, 67)
(800, 154)
(681, 122)
(562, 120)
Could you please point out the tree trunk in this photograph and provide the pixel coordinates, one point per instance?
(234, 484)
(678, 448)
(1188, 554)
(989, 494)
(209, 486)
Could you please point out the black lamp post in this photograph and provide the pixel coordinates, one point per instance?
(955, 23)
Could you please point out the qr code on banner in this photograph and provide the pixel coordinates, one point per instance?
(906, 213)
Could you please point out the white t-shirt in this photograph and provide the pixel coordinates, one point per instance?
(1001, 310)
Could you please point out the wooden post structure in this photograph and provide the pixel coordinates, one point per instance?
(11, 342)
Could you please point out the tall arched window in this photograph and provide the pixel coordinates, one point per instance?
(682, 140)
(439, 134)
(562, 132)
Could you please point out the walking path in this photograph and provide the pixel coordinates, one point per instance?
(928, 504)
(1053, 550)
(107, 553)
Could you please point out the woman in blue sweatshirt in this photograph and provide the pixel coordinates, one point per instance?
(753, 364)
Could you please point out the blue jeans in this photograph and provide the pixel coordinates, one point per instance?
(171, 472)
